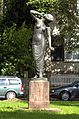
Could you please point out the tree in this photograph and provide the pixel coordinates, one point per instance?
(15, 40)
(16, 50)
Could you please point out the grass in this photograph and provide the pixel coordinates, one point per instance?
(67, 107)
(12, 110)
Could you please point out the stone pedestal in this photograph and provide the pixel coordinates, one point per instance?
(39, 94)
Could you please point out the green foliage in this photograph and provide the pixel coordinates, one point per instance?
(42, 5)
(14, 12)
(16, 50)
(8, 69)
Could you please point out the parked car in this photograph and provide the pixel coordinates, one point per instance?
(10, 87)
(67, 92)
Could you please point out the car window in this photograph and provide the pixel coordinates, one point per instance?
(78, 84)
(3, 82)
(75, 82)
(14, 81)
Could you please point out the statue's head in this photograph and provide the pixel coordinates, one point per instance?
(49, 17)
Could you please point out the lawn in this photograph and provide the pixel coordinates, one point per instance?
(16, 109)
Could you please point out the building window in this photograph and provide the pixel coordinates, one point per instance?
(58, 44)
(72, 56)
(58, 53)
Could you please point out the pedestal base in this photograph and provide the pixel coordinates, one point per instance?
(38, 94)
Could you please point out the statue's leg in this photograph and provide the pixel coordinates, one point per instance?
(40, 74)
(39, 59)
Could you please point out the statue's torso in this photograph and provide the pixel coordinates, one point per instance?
(39, 32)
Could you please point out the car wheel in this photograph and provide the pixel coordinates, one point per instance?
(11, 95)
(65, 96)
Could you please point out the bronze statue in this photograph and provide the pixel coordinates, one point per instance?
(41, 32)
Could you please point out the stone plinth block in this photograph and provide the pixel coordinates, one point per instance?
(38, 94)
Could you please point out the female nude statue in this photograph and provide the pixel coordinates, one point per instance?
(41, 33)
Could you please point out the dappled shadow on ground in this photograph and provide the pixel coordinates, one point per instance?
(20, 114)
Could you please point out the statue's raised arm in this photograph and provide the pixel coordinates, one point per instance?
(49, 18)
(36, 14)
(48, 29)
